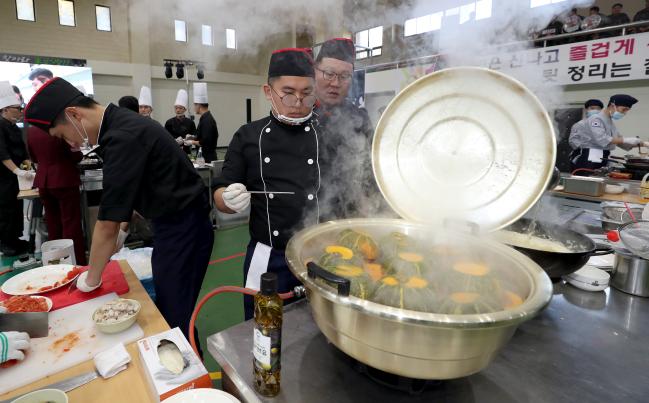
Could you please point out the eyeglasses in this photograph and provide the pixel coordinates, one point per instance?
(293, 100)
(19, 108)
(330, 76)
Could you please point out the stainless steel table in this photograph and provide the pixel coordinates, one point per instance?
(585, 347)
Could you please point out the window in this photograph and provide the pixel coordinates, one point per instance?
(369, 38)
(25, 10)
(103, 18)
(180, 30)
(426, 23)
(206, 33)
(539, 3)
(230, 38)
(66, 13)
(474, 10)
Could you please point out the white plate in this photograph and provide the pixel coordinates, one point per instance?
(464, 143)
(202, 395)
(36, 279)
(47, 300)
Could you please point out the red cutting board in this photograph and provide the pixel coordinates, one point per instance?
(113, 280)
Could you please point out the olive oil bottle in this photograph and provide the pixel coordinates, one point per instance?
(267, 338)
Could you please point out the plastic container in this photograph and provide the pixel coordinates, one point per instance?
(589, 279)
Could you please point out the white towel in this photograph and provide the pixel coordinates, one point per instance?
(112, 361)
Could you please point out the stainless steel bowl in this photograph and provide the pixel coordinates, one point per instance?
(411, 343)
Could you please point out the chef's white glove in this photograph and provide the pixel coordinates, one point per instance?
(81, 283)
(236, 198)
(121, 238)
(12, 344)
(188, 142)
(632, 141)
(24, 174)
(179, 140)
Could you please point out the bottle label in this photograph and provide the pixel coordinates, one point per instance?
(266, 348)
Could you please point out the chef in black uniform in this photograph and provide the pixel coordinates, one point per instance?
(278, 153)
(349, 188)
(207, 134)
(13, 154)
(144, 169)
(180, 125)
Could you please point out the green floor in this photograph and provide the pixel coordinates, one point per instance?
(223, 310)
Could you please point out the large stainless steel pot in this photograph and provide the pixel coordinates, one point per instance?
(631, 274)
(409, 343)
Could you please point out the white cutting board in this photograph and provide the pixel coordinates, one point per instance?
(46, 356)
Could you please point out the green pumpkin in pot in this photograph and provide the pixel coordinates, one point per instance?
(414, 294)
(336, 255)
(361, 285)
(395, 243)
(360, 242)
(405, 265)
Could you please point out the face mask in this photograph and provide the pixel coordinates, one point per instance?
(85, 145)
(288, 120)
(591, 112)
(617, 115)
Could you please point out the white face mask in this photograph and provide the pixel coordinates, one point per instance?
(591, 112)
(286, 119)
(86, 148)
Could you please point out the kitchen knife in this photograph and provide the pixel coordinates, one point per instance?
(34, 323)
(67, 384)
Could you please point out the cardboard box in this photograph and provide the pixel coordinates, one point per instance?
(163, 380)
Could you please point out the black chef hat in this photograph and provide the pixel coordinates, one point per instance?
(593, 102)
(291, 62)
(338, 48)
(623, 100)
(40, 72)
(49, 101)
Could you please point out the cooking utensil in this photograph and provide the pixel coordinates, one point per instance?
(268, 192)
(631, 274)
(43, 396)
(65, 385)
(635, 236)
(33, 281)
(445, 134)
(34, 323)
(558, 264)
(411, 343)
(628, 209)
(617, 211)
(589, 186)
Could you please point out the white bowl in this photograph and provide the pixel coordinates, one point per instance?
(43, 395)
(589, 278)
(121, 325)
(614, 189)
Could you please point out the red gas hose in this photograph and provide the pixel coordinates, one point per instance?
(216, 291)
(582, 170)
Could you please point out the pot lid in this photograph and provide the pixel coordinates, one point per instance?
(464, 143)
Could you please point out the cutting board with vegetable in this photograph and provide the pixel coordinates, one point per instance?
(113, 280)
(73, 339)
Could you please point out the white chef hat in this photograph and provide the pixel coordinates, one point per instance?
(200, 93)
(145, 96)
(7, 95)
(181, 99)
